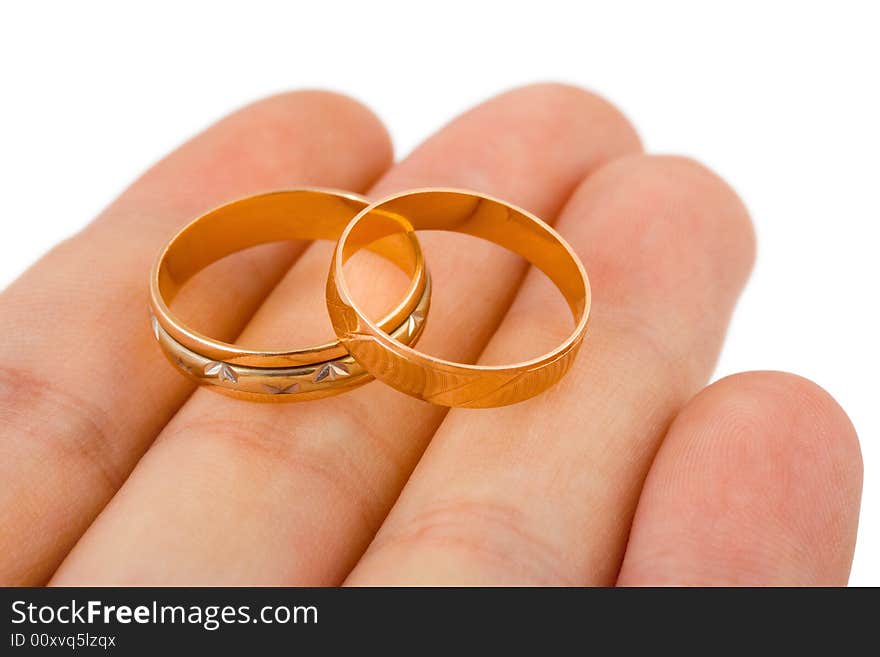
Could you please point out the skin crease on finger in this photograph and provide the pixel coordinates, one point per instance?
(83, 388)
(238, 493)
(757, 484)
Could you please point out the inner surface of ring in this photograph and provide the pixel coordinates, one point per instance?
(273, 217)
(480, 217)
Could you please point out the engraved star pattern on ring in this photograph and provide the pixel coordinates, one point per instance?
(281, 374)
(182, 364)
(330, 372)
(221, 370)
(412, 323)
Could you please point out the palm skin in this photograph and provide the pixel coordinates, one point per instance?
(627, 472)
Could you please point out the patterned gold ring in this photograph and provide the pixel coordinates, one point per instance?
(289, 375)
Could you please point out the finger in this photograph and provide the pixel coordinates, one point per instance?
(83, 388)
(543, 491)
(293, 494)
(757, 483)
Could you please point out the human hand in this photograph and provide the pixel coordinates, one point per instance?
(624, 472)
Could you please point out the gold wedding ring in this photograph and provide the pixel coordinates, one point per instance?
(439, 381)
(292, 375)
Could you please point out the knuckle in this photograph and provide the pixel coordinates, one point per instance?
(326, 454)
(58, 424)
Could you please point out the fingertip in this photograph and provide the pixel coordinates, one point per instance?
(668, 209)
(548, 132)
(323, 121)
(290, 139)
(758, 482)
(809, 420)
(553, 100)
(735, 228)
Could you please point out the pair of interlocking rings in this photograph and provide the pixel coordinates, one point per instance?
(365, 348)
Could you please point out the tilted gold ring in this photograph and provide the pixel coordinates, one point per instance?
(432, 379)
(291, 375)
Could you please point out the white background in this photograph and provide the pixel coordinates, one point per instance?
(783, 99)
